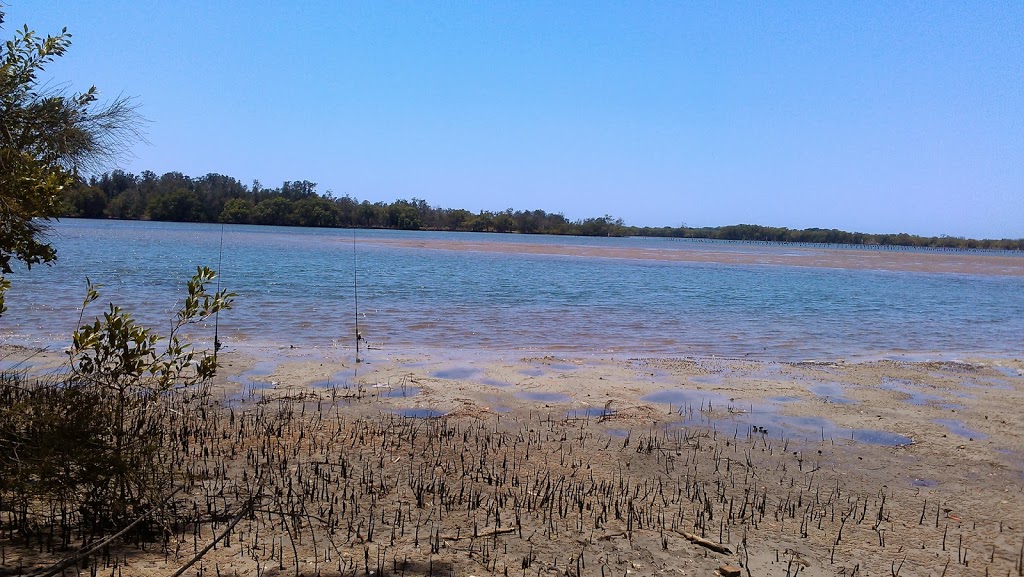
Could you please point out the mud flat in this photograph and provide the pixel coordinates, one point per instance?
(586, 466)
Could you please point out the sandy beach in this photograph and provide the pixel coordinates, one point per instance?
(598, 466)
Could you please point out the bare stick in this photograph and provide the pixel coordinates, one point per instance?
(697, 540)
(234, 521)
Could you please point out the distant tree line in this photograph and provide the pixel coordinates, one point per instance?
(218, 198)
(758, 233)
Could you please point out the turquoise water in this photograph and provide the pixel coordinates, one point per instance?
(295, 287)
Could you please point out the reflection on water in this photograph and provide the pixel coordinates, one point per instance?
(833, 393)
(394, 392)
(456, 373)
(685, 398)
(338, 380)
(915, 396)
(589, 413)
(768, 421)
(957, 427)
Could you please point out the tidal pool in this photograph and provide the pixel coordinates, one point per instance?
(684, 397)
(774, 424)
(544, 397)
(957, 427)
(589, 413)
(394, 392)
(338, 380)
(833, 393)
(456, 373)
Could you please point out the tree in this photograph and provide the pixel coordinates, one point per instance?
(182, 205)
(47, 136)
(237, 211)
(85, 201)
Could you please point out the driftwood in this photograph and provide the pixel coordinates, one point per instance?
(698, 540)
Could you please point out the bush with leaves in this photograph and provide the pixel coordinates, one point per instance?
(90, 441)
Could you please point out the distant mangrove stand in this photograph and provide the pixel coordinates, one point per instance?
(216, 198)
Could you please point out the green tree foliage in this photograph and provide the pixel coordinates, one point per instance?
(46, 137)
(182, 205)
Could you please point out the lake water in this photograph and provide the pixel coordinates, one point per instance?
(295, 287)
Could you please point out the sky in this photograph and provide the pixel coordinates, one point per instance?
(863, 116)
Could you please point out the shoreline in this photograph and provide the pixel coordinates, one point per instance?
(905, 396)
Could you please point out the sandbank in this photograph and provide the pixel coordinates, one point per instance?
(894, 259)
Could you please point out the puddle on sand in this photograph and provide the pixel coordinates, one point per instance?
(682, 398)
(988, 384)
(250, 378)
(916, 397)
(338, 380)
(1008, 372)
(419, 413)
(456, 373)
(778, 425)
(958, 428)
(1015, 459)
(260, 369)
(494, 383)
(543, 397)
(876, 437)
(782, 400)
(393, 392)
(833, 393)
(532, 372)
(563, 366)
(589, 413)
(923, 483)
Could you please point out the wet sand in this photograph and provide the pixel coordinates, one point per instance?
(609, 466)
(959, 262)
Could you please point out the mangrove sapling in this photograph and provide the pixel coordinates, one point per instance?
(122, 362)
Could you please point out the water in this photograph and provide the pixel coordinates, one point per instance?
(456, 373)
(957, 427)
(295, 287)
(833, 393)
(543, 397)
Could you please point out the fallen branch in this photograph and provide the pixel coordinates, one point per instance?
(242, 511)
(697, 540)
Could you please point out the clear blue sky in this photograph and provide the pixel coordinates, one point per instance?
(867, 116)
